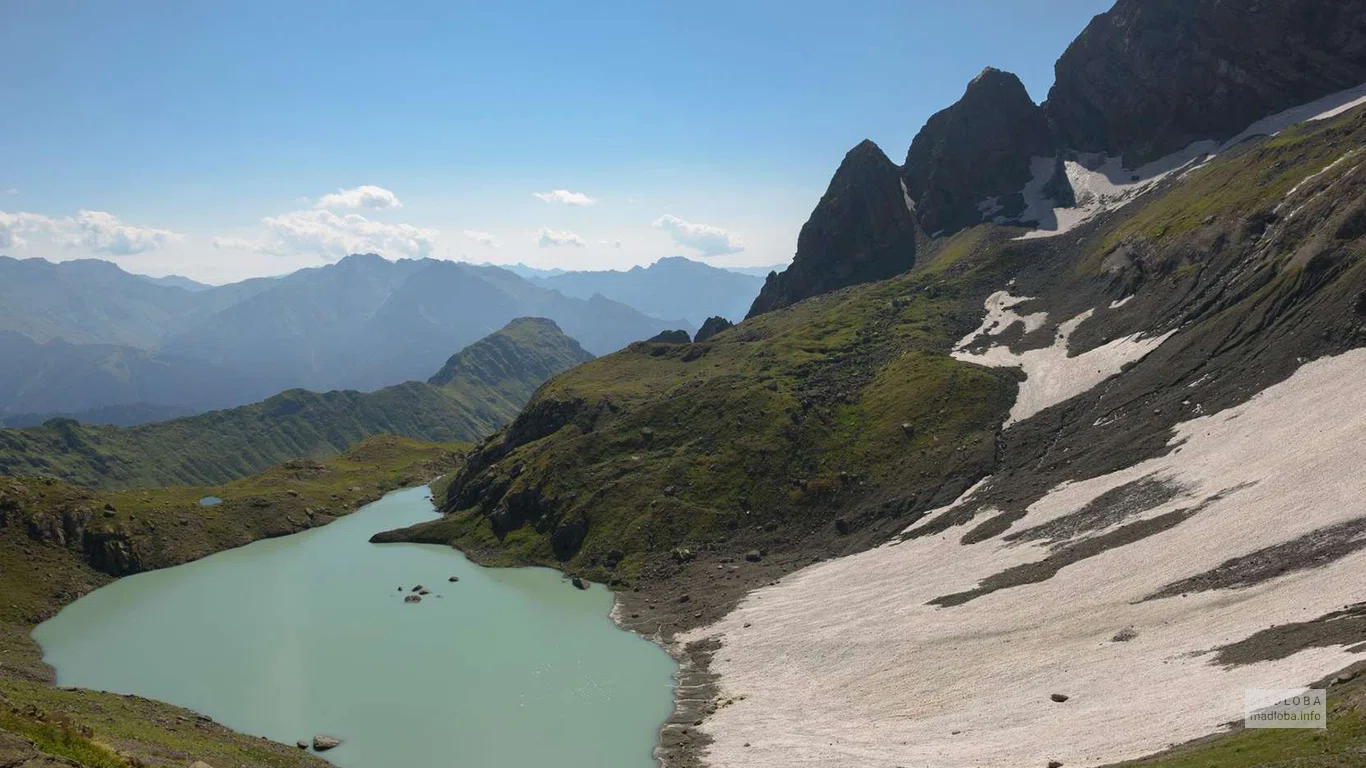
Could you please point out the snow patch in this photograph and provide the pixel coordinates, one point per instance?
(905, 195)
(1121, 302)
(1328, 107)
(1310, 179)
(1001, 315)
(1052, 375)
(845, 663)
(1102, 183)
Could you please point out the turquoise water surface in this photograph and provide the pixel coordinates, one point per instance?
(307, 634)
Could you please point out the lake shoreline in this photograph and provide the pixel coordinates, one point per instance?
(42, 573)
(85, 646)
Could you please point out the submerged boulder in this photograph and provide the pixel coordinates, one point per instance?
(322, 742)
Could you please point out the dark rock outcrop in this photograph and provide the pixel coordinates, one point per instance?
(670, 337)
(979, 148)
(1149, 77)
(107, 549)
(711, 327)
(862, 230)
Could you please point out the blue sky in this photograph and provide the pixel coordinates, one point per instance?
(199, 138)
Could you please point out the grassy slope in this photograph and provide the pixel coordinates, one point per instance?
(480, 389)
(847, 401)
(506, 368)
(164, 527)
(742, 441)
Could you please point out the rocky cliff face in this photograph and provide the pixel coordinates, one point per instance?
(978, 149)
(862, 230)
(1149, 77)
(107, 548)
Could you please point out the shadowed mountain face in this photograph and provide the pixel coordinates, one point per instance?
(671, 289)
(1144, 80)
(478, 390)
(862, 230)
(979, 148)
(1149, 77)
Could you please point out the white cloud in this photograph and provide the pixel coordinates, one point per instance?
(329, 234)
(549, 238)
(91, 231)
(612, 243)
(706, 239)
(333, 236)
(234, 244)
(483, 238)
(13, 227)
(364, 196)
(566, 197)
(101, 231)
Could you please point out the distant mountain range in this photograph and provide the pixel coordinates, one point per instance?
(84, 336)
(758, 271)
(673, 287)
(477, 390)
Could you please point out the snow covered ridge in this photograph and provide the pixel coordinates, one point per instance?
(931, 652)
(1052, 375)
(1101, 183)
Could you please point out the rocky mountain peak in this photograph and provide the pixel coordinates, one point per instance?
(714, 325)
(977, 150)
(1149, 77)
(861, 230)
(528, 350)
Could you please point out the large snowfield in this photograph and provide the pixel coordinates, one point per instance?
(848, 663)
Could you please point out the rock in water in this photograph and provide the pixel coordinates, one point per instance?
(453, 579)
(412, 599)
(981, 147)
(301, 744)
(578, 583)
(862, 230)
(323, 743)
(711, 327)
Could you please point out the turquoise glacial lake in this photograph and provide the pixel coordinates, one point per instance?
(307, 634)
